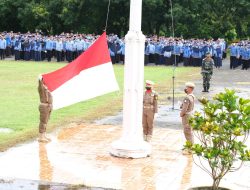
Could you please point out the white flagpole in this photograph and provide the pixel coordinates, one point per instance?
(131, 144)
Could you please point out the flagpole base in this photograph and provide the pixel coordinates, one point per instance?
(130, 149)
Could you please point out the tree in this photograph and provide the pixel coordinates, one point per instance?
(192, 18)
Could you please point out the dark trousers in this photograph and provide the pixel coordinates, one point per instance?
(117, 58)
(146, 60)
(74, 55)
(218, 62)
(168, 61)
(2, 53)
(32, 54)
(181, 57)
(245, 64)
(151, 58)
(79, 52)
(48, 55)
(69, 56)
(175, 59)
(37, 56)
(161, 60)
(8, 51)
(157, 59)
(26, 55)
(122, 59)
(43, 55)
(186, 61)
(113, 59)
(17, 55)
(12, 50)
(233, 62)
(196, 61)
(58, 56)
(239, 60)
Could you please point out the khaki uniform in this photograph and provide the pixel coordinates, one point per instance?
(187, 107)
(150, 107)
(45, 106)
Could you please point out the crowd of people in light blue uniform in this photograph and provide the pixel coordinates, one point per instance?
(38, 47)
(158, 50)
(240, 54)
(169, 51)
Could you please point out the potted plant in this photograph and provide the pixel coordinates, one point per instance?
(222, 130)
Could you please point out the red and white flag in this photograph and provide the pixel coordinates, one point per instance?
(88, 76)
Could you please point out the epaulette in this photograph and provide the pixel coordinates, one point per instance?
(191, 95)
(154, 92)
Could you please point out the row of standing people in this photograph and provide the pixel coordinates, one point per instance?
(158, 50)
(169, 51)
(38, 48)
(240, 54)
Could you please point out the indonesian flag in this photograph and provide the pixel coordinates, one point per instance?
(88, 76)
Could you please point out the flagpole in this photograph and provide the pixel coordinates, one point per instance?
(131, 144)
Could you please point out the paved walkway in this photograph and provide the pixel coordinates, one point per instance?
(79, 154)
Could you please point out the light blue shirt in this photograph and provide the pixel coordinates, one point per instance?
(3, 44)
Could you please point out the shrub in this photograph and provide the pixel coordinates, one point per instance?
(222, 130)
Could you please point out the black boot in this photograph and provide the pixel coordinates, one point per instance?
(208, 88)
(205, 89)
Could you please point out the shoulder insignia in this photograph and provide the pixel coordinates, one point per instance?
(156, 97)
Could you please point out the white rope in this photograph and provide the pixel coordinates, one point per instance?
(174, 65)
(107, 17)
(172, 17)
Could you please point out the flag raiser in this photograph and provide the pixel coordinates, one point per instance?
(88, 76)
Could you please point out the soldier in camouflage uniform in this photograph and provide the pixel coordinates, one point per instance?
(207, 71)
(150, 107)
(45, 109)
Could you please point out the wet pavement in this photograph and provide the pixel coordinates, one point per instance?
(78, 156)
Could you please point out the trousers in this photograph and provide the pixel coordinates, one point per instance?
(45, 111)
(187, 129)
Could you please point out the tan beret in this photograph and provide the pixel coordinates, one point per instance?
(190, 84)
(149, 83)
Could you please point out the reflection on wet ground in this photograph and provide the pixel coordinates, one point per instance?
(21, 184)
(78, 156)
(5, 130)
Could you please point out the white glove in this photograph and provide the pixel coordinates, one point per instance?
(156, 114)
(40, 77)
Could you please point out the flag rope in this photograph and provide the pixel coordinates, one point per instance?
(174, 64)
(107, 17)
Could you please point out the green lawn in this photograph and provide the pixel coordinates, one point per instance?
(19, 99)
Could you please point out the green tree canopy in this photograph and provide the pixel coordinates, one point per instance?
(192, 18)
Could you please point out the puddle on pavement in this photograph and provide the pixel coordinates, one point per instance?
(5, 130)
(19, 184)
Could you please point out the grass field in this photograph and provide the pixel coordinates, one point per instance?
(19, 98)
